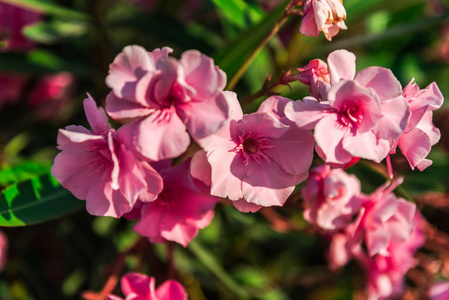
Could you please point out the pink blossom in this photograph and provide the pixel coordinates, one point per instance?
(327, 16)
(167, 96)
(383, 219)
(96, 166)
(181, 209)
(420, 134)
(50, 94)
(332, 197)
(439, 291)
(258, 157)
(13, 19)
(316, 74)
(11, 86)
(362, 116)
(386, 272)
(136, 286)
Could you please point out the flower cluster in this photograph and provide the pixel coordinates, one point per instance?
(255, 160)
(385, 233)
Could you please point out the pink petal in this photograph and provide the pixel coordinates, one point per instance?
(102, 200)
(341, 65)
(153, 181)
(171, 290)
(308, 24)
(161, 135)
(129, 66)
(306, 113)
(227, 171)
(274, 105)
(366, 145)
(200, 167)
(265, 124)
(244, 206)
(95, 116)
(395, 119)
(202, 74)
(328, 136)
(381, 80)
(119, 108)
(135, 283)
(415, 145)
(204, 117)
(267, 184)
(285, 154)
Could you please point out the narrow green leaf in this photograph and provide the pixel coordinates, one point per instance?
(212, 265)
(49, 8)
(50, 32)
(234, 54)
(34, 201)
(238, 12)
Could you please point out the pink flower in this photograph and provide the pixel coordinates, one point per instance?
(96, 166)
(362, 116)
(50, 93)
(327, 16)
(11, 86)
(181, 209)
(383, 219)
(138, 286)
(439, 291)
(316, 74)
(13, 19)
(386, 272)
(420, 134)
(167, 97)
(332, 198)
(257, 157)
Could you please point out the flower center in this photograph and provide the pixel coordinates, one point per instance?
(351, 116)
(251, 146)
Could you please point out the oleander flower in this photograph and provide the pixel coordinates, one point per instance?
(363, 115)
(420, 135)
(332, 197)
(136, 286)
(167, 96)
(182, 208)
(386, 272)
(97, 166)
(257, 157)
(327, 16)
(383, 219)
(316, 75)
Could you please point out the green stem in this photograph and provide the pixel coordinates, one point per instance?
(211, 264)
(277, 26)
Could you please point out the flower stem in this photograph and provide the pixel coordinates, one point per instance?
(277, 26)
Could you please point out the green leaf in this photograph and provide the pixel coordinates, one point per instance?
(36, 200)
(49, 8)
(21, 172)
(50, 32)
(239, 12)
(234, 54)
